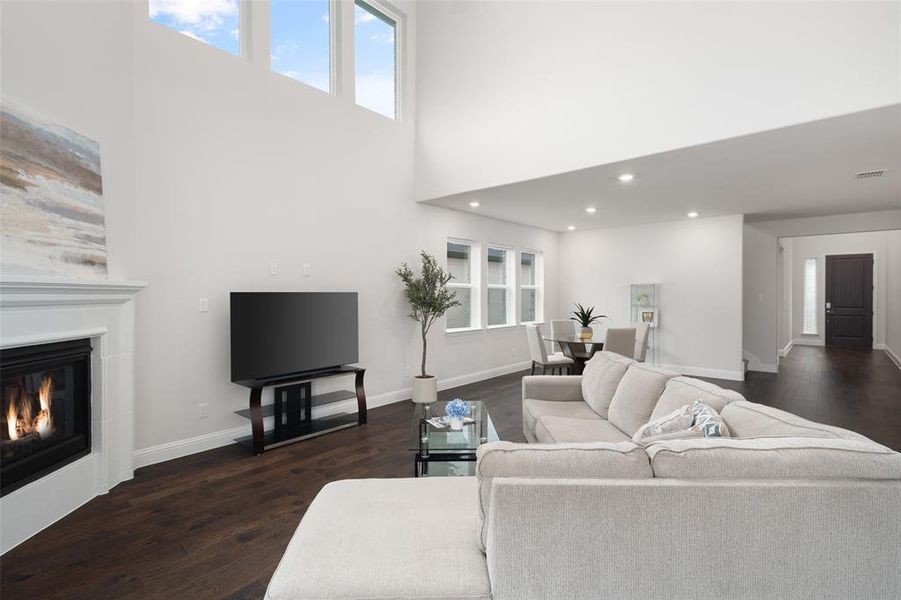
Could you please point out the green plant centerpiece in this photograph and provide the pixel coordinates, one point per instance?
(429, 298)
(585, 317)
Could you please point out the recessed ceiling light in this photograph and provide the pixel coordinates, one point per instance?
(571, 227)
(626, 177)
(692, 214)
(474, 204)
(591, 210)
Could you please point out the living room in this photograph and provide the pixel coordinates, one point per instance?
(570, 150)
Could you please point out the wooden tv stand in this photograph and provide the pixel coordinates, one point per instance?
(293, 406)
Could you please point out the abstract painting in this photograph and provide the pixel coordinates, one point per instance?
(51, 199)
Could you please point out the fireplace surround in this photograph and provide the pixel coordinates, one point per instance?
(45, 421)
(76, 313)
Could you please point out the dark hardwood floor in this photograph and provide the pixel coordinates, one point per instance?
(215, 524)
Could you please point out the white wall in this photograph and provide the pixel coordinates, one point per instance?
(213, 169)
(698, 266)
(759, 300)
(893, 297)
(510, 91)
(881, 220)
(819, 247)
(784, 317)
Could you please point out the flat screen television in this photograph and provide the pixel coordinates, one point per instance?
(279, 334)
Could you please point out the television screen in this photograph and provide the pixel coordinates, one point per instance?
(277, 334)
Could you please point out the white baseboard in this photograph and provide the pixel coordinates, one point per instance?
(788, 348)
(704, 372)
(806, 342)
(895, 358)
(208, 441)
(754, 364)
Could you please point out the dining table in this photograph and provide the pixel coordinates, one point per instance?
(578, 349)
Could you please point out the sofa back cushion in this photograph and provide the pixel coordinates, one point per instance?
(600, 379)
(680, 391)
(636, 396)
(773, 458)
(596, 460)
(750, 420)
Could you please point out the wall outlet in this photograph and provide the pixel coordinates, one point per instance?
(203, 305)
(307, 271)
(203, 409)
(406, 370)
(273, 268)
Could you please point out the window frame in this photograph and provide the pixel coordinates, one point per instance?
(810, 287)
(509, 286)
(538, 286)
(391, 13)
(474, 286)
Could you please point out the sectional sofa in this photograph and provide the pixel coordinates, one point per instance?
(781, 508)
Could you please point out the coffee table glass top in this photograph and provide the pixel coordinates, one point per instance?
(478, 429)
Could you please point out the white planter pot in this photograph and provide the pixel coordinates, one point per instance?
(425, 389)
(455, 423)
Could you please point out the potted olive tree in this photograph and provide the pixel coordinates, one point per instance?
(429, 298)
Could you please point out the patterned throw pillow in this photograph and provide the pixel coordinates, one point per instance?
(693, 420)
(707, 420)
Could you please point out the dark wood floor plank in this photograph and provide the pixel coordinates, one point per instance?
(215, 524)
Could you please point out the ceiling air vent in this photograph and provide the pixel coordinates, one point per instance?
(870, 174)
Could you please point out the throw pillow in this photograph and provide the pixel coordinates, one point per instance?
(693, 420)
(679, 420)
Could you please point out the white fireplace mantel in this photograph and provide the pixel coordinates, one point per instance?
(43, 310)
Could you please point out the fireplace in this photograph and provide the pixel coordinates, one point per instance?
(45, 421)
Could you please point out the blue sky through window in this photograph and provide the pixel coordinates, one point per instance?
(300, 41)
(214, 22)
(374, 61)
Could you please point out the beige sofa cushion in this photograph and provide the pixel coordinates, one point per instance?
(550, 430)
(364, 539)
(622, 460)
(600, 379)
(749, 420)
(532, 410)
(680, 391)
(773, 458)
(637, 395)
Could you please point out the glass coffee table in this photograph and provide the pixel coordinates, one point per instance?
(441, 451)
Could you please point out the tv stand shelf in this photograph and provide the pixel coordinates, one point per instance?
(302, 426)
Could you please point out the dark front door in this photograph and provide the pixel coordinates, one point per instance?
(849, 300)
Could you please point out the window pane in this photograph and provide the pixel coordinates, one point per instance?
(374, 60)
(497, 306)
(810, 296)
(527, 268)
(497, 266)
(213, 22)
(527, 309)
(461, 316)
(459, 262)
(299, 46)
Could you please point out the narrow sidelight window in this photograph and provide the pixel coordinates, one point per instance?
(810, 296)
(500, 287)
(529, 288)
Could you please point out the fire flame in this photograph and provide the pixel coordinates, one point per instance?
(20, 422)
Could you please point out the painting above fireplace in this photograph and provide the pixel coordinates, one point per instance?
(45, 422)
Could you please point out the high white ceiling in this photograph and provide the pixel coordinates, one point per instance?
(800, 171)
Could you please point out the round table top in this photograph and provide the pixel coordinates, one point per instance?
(572, 339)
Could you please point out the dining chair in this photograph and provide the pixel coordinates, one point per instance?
(642, 331)
(557, 362)
(561, 328)
(621, 341)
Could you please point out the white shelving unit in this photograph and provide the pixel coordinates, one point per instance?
(643, 309)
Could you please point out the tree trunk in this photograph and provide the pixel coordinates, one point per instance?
(424, 349)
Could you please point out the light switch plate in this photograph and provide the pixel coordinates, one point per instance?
(273, 268)
(307, 271)
(203, 305)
